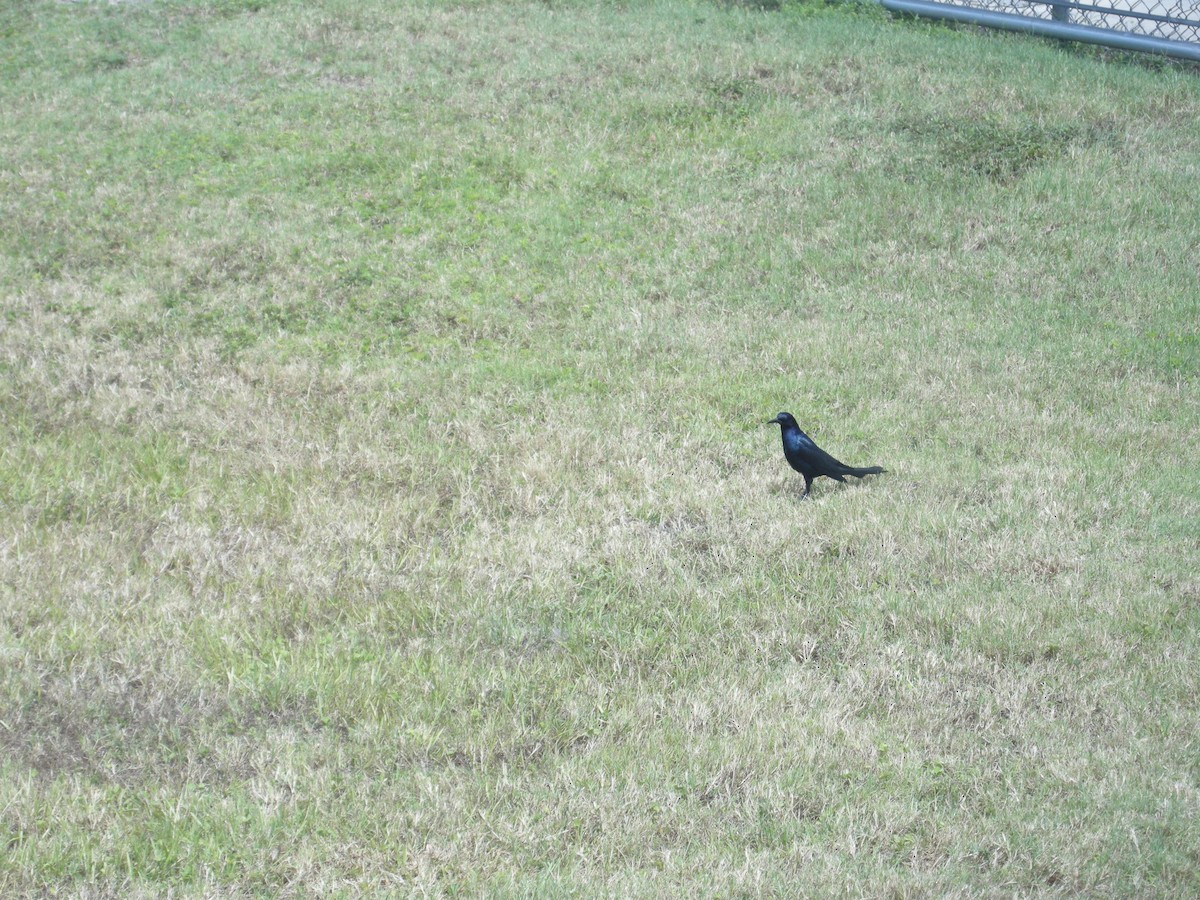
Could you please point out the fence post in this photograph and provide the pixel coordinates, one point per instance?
(1059, 11)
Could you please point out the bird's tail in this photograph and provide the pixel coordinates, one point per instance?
(865, 470)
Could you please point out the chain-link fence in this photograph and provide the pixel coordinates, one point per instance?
(1173, 20)
(1171, 27)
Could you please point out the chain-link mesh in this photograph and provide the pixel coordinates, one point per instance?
(1172, 20)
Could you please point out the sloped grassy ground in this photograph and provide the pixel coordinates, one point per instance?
(384, 504)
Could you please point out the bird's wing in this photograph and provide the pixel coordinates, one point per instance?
(818, 457)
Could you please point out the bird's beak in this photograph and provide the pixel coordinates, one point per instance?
(772, 422)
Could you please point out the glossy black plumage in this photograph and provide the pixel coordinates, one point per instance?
(810, 460)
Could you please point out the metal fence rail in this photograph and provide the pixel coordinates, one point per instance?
(1170, 27)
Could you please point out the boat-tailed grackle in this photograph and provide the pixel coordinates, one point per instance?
(810, 460)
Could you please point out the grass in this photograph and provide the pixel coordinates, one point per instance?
(384, 504)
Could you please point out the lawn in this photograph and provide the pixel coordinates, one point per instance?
(386, 504)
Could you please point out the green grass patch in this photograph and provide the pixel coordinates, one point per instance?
(384, 500)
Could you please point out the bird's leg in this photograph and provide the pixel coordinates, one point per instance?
(807, 487)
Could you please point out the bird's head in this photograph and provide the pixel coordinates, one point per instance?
(784, 418)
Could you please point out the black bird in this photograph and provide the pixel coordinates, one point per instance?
(810, 460)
